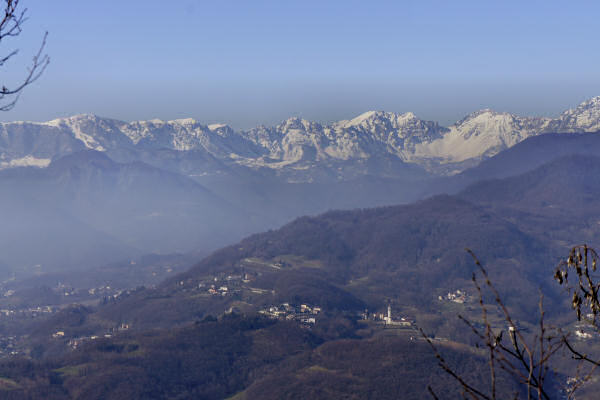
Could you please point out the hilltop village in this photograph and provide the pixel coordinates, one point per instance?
(304, 313)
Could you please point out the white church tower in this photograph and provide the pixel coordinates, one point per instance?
(388, 320)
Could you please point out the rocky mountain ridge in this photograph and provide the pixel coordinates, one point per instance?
(295, 144)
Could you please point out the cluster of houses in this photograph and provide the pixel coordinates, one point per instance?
(30, 312)
(387, 319)
(585, 330)
(68, 291)
(218, 291)
(223, 285)
(582, 334)
(304, 314)
(9, 346)
(459, 296)
(76, 342)
(108, 292)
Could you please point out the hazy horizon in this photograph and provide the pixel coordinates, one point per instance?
(344, 116)
(249, 64)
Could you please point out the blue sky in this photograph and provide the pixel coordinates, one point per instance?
(258, 62)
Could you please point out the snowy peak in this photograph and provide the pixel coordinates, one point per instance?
(298, 124)
(384, 125)
(480, 135)
(96, 133)
(371, 119)
(370, 134)
(218, 127)
(361, 120)
(185, 121)
(585, 117)
(593, 103)
(488, 122)
(377, 132)
(482, 114)
(376, 120)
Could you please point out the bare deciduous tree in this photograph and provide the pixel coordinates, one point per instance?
(11, 24)
(528, 357)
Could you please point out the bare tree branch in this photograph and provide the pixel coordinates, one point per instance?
(10, 26)
(442, 363)
(528, 359)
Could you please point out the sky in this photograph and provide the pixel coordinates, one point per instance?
(248, 63)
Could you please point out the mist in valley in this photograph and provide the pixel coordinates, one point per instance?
(283, 200)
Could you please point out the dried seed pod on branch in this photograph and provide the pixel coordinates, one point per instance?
(582, 263)
(529, 357)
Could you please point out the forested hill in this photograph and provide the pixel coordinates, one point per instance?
(408, 254)
(568, 186)
(519, 226)
(344, 262)
(242, 358)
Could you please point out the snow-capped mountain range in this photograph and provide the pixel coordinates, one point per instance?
(293, 145)
(107, 189)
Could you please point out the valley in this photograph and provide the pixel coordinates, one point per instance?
(331, 277)
(309, 297)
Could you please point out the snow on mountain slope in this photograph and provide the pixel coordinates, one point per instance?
(296, 144)
(402, 133)
(94, 132)
(481, 135)
(40, 141)
(27, 161)
(370, 134)
(56, 138)
(586, 117)
(186, 134)
(478, 136)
